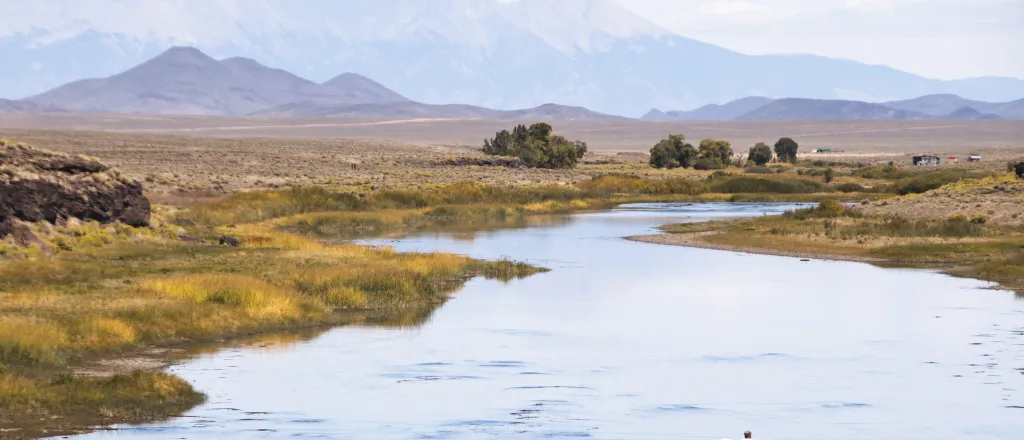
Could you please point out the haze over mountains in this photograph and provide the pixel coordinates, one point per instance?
(587, 53)
(944, 106)
(184, 80)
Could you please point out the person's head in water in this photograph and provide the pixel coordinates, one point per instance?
(747, 434)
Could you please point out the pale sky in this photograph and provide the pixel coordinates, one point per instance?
(945, 39)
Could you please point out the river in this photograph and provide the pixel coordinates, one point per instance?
(627, 340)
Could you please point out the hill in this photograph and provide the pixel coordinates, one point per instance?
(790, 109)
(590, 53)
(945, 104)
(970, 113)
(419, 110)
(184, 80)
(10, 106)
(712, 112)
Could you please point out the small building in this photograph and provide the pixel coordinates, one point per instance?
(974, 158)
(927, 160)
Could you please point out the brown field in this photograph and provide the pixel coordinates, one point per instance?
(184, 158)
(903, 137)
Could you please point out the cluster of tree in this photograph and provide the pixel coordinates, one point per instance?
(785, 151)
(536, 146)
(675, 152)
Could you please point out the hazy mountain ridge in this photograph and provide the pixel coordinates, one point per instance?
(443, 111)
(184, 80)
(789, 109)
(590, 53)
(8, 106)
(925, 107)
(712, 112)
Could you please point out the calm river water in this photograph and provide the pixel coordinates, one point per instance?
(625, 340)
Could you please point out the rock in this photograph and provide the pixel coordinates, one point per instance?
(230, 241)
(23, 236)
(38, 185)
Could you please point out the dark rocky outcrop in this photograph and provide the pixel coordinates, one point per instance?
(37, 185)
(230, 241)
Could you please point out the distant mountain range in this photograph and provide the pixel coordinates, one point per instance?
(184, 80)
(495, 54)
(943, 106)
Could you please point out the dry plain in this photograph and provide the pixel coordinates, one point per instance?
(213, 155)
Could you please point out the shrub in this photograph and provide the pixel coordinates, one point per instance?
(708, 163)
(828, 209)
(609, 184)
(850, 187)
(745, 184)
(930, 180)
(758, 170)
(886, 172)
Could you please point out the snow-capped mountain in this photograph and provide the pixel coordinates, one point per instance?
(499, 54)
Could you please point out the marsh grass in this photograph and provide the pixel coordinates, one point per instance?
(145, 289)
(65, 403)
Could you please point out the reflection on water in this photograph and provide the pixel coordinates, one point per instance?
(627, 340)
(457, 230)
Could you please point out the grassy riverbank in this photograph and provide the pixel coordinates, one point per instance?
(91, 291)
(114, 290)
(963, 243)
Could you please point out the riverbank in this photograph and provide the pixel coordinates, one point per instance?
(81, 326)
(961, 245)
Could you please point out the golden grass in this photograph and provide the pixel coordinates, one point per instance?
(111, 289)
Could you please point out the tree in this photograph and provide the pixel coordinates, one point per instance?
(760, 154)
(717, 152)
(829, 175)
(503, 144)
(536, 146)
(785, 150)
(673, 152)
(540, 130)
